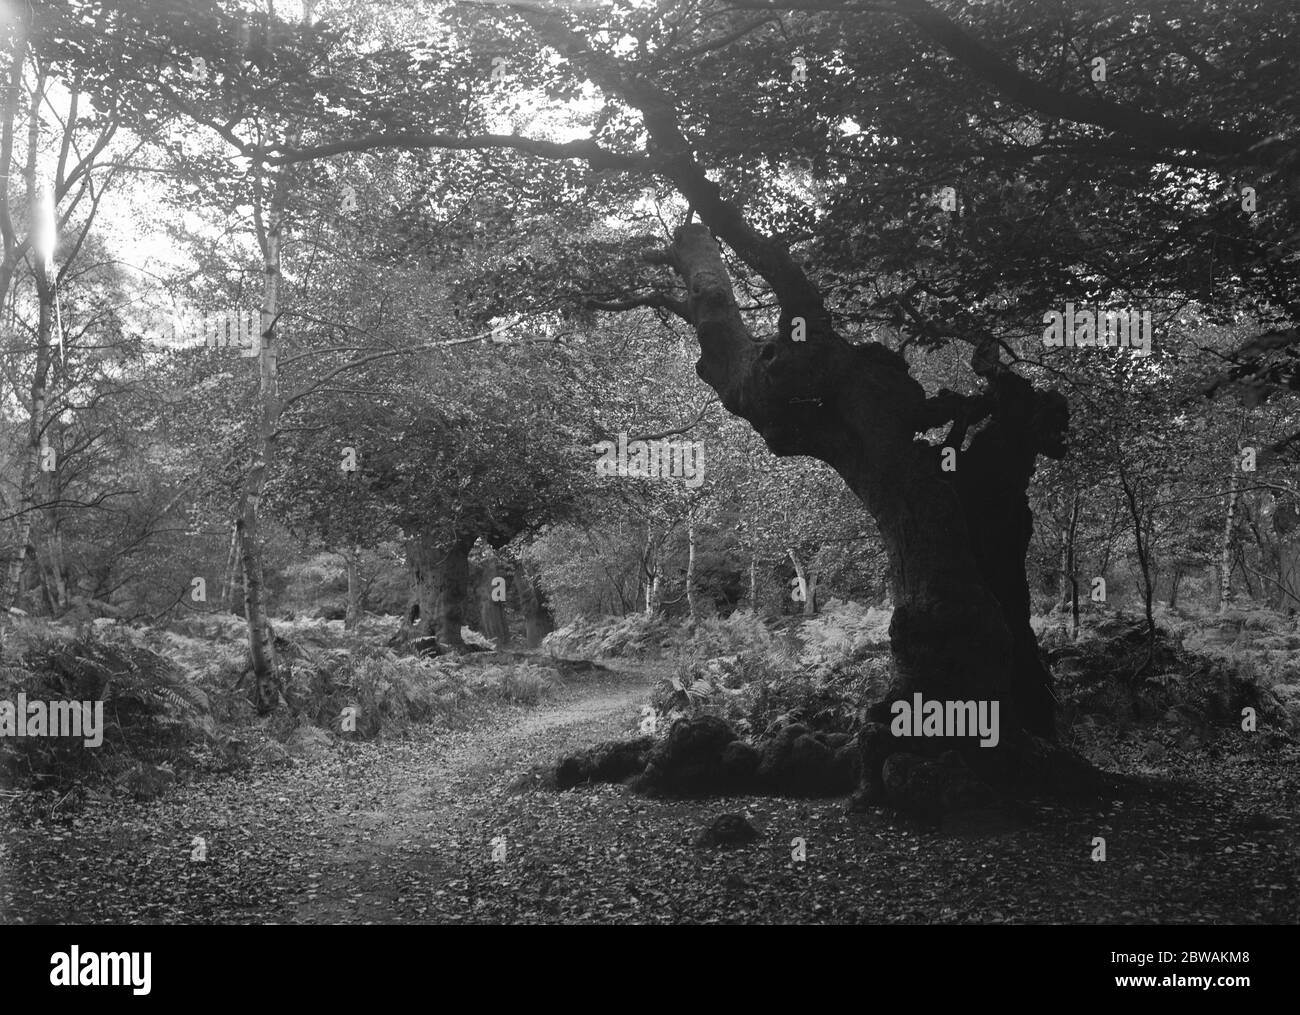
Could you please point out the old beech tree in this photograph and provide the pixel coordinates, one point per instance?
(956, 540)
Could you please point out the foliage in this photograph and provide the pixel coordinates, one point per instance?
(636, 635)
(841, 634)
(153, 714)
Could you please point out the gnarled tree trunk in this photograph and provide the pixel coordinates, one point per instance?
(955, 542)
(956, 547)
(440, 571)
(538, 622)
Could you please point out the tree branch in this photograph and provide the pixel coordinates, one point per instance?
(684, 428)
(1019, 87)
(656, 299)
(597, 157)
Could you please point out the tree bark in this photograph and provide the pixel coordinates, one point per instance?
(58, 571)
(956, 550)
(261, 637)
(691, 605)
(1142, 545)
(492, 612)
(1071, 569)
(440, 569)
(652, 589)
(352, 564)
(36, 424)
(538, 622)
(646, 571)
(226, 596)
(807, 585)
(857, 408)
(270, 225)
(992, 478)
(1225, 543)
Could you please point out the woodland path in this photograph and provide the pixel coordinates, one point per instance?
(401, 832)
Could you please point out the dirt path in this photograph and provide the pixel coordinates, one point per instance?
(403, 830)
(430, 806)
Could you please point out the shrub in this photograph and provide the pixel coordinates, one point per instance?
(391, 692)
(635, 635)
(388, 691)
(741, 632)
(153, 714)
(762, 690)
(523, 683)
(844, 633)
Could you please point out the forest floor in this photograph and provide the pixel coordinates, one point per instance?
(410, 830)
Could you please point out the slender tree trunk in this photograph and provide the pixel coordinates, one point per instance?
(1225, 542)
(228, 575)
(807, 585)
(1072, 569)
(53, 524)
(801, 582)
(691, 605)
(261, 644)
(1173, 587)
(646, 571)
(753, 582)
(20, 21)
(652, 589)
(1142, 545)
(352, 565)
(32, 451)
(261, 637)
(57, 568)
(11, 591)
(270, 226)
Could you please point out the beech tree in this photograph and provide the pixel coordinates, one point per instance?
(986, 98)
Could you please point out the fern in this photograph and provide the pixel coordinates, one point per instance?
(152, 711)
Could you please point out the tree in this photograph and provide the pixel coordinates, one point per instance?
(956, 541)
(62, 175)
